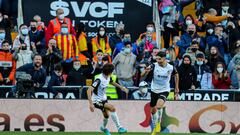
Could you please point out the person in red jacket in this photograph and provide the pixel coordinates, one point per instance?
(54, 26)
(220, 77)
(7, 65)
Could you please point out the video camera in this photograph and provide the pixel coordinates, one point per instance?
(24, 85)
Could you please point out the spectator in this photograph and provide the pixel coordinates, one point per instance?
(120, 46)
(234, 71)
(54, 26)
(99, 62)
(101, 42)
(82, 40)
(219, 41)
(23, 56)
(204, 74)
(211, 16)
(214, 57)
(188, 20)
(192, 51)
(77, 76)
(56, 80)
(117, 37)
(40, 24)
(2, 36)
(35, 69)
(7, 65)
(142, 93)
(22, 37)
(51, 56)
(175, 46)
(171, 57)
(37, 36)
(169, 23)
(187, 74)
(187, 38)
(204, 47)
(147, 43)
(67, 44)
(221, 78)
(6, 25)
(124, 64)
(150, 27)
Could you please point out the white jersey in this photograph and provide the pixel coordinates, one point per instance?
(100, 85)
(161, 78)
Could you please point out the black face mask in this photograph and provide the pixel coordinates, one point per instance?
(194, 49)
(186, 65)
(190, 32)
(33, 28)
(6, 51)
(121, 32)
(24, 47)
(215, 54)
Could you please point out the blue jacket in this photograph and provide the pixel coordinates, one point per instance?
(185, 42)
(220, 44)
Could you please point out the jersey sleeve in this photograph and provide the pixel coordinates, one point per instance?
(95, 85)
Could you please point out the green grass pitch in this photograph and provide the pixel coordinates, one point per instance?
(91, 133)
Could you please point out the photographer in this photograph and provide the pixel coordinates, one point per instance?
(36, 71)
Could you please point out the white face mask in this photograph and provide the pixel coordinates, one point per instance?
(24, 31)
(61, 17)
(127, 50)
(188, 22)
(101, 33)
(64, 30)
(76, 67)
(220, 70)
(210, 31)
(199, 63)
(150, 29)
(144, 90)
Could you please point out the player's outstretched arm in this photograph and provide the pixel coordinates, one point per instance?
(120, 87)
(176, 95)
(89, 95)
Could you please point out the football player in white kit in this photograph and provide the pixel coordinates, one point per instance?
(97, 98)
(161, 73)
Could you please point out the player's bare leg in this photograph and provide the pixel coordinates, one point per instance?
(115, 118)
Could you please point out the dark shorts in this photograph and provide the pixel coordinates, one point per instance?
(100, 105)
(156, 96)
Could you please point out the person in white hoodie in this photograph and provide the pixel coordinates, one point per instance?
(23, 55)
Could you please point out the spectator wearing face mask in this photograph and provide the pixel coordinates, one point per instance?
(120, 46)
(37, 37)
(150, 27)
(22, 37)
(54, 26)
(56, 80)
(234, 71)
(147, 44)
(7, 65)
(142, 93)
(67, 44)
(40, 24)
(214, 57)
(77, 75)
(99, 61)
(220, 77)
(23, 56)
(187, 38)
(218, 40)
(2, 36)
(175, 47)
(204, 74)
(117, 37)
(204, 47)
(187, 74)
(192, 51)
(6, 25)
(124, 64)
(101, 42)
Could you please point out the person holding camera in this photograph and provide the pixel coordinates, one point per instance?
(7, 65)
(36, 71)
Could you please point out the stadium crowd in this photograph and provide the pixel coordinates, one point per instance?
(204, 50)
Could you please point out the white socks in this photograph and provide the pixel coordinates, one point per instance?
(154, 119)
(159, 115)
(105, 121)
(115, 119)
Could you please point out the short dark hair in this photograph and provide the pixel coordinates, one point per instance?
(162, 54)
(99, 51)
(127, 43)
(108, 69)
(5, 41)
(37, 55)
(22, 25)
(1, 28)
(33, 21)
(58, 67)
